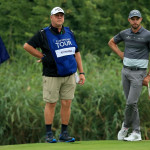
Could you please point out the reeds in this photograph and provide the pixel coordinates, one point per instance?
(97, 109)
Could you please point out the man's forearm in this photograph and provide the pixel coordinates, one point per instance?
(115, 48)
(33, 51)
(79, 61)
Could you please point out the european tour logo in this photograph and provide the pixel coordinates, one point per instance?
(63, 42)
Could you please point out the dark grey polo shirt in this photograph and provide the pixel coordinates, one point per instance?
(137, 47)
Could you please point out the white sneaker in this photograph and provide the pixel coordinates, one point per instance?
(122, 133)
(134, 136)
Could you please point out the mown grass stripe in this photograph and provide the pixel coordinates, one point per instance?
(82, 145)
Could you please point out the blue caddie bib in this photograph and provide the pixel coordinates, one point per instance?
(63, 48)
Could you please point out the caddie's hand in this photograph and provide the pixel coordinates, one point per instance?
(39, 61)
(82, 79)
(146, 80)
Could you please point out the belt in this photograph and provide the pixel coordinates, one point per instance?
(134, 68)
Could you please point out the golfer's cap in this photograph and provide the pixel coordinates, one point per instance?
(135, 13)
(56, 10)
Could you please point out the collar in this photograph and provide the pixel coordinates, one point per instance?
(55, 30)
(140, 30)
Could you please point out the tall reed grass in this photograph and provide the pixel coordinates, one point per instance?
(97, 109)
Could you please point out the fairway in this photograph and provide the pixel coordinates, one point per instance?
(82, 145)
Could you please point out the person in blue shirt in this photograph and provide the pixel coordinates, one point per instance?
(3, 52)
(135, 63)
(61, 59)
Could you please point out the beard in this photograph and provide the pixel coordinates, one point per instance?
(135, 26)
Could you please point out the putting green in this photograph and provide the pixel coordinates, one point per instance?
(82, 145)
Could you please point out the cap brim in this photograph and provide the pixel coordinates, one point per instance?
(134, 16)
(57, 13)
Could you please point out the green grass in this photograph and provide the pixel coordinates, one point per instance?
(82, 145)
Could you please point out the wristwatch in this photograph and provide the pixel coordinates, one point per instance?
(82, 73)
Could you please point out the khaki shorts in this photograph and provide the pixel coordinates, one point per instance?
(58, 87)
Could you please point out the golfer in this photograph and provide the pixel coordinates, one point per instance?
(135, 62)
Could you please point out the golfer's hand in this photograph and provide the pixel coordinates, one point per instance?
(146, 80)
(82, 79)
(121, 54)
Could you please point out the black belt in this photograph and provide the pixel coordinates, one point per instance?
(134, 68)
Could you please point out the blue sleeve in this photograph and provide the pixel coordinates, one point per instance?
(3, 52)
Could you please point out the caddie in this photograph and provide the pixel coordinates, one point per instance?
(61, 58)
